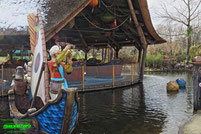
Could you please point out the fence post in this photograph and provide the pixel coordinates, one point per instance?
(113, 77)
(132, 73)
(2, 84)
(82, 77)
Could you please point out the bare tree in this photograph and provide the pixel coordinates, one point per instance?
(185, 12)
(170, 32)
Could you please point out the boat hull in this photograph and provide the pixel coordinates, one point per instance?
(103, 71)
(76, 75)
(58, 116)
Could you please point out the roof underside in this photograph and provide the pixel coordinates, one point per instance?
(90, 28)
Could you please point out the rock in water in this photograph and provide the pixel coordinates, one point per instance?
(181, 83)
(172, 86)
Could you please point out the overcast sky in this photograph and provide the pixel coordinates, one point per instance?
(153, 5)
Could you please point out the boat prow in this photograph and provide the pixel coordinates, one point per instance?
(56, 116)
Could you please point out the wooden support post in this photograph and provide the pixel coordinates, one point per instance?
(113, 75)
(2, 84)
(93, 52)
(139, 55)
(132, 73)
(139, 28)
(102, 54)
(82, 77)
(142, 38)
(105, 54)
(11, 56)
(143, 64)
(117, 53)
(85, 54)
(111, 54)
(197, 86)
(108, 55)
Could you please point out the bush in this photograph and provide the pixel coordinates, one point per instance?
(149, 60)
(195, 51)
(155, 60)
(180, 57)
(158, 60)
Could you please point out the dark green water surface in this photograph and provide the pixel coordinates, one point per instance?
(142, 109)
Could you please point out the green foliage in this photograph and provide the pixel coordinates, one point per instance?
(133, 51)
(195, 51)
(154, 60)
(158, 60)
(189, 31)
(149, 60)
(180, 57)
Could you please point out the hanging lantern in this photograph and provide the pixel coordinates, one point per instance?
(93, 3)
(114, 24)
(56, 37)
(107, 17)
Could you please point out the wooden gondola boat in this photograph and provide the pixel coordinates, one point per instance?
(97, 69)
(103, 71)
(33, 109)
(76, 75)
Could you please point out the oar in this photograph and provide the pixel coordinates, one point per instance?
(38, 83)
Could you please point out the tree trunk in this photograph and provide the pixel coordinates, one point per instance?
(188, 49)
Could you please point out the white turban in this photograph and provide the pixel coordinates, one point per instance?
(55, 49)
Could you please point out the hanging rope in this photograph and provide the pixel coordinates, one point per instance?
(106, 29)
(107, 5)
(112, 11)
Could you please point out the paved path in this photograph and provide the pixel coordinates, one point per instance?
(193, 126)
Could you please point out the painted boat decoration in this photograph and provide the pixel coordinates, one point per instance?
(42, 115)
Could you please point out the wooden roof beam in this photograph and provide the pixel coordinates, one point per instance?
(128, 26)
(114, 41)
(81, 37)
(50, 33)
(139, 28)
(132, 37)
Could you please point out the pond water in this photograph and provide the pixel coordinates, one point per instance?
(142, 109)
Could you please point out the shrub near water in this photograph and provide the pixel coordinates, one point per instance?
(158, 60)
(155, 60)
(149, 60)
(195, 51)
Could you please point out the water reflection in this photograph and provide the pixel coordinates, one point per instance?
(142, 109)
(4, 113)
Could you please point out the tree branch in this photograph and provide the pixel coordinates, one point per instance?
(195, 8)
